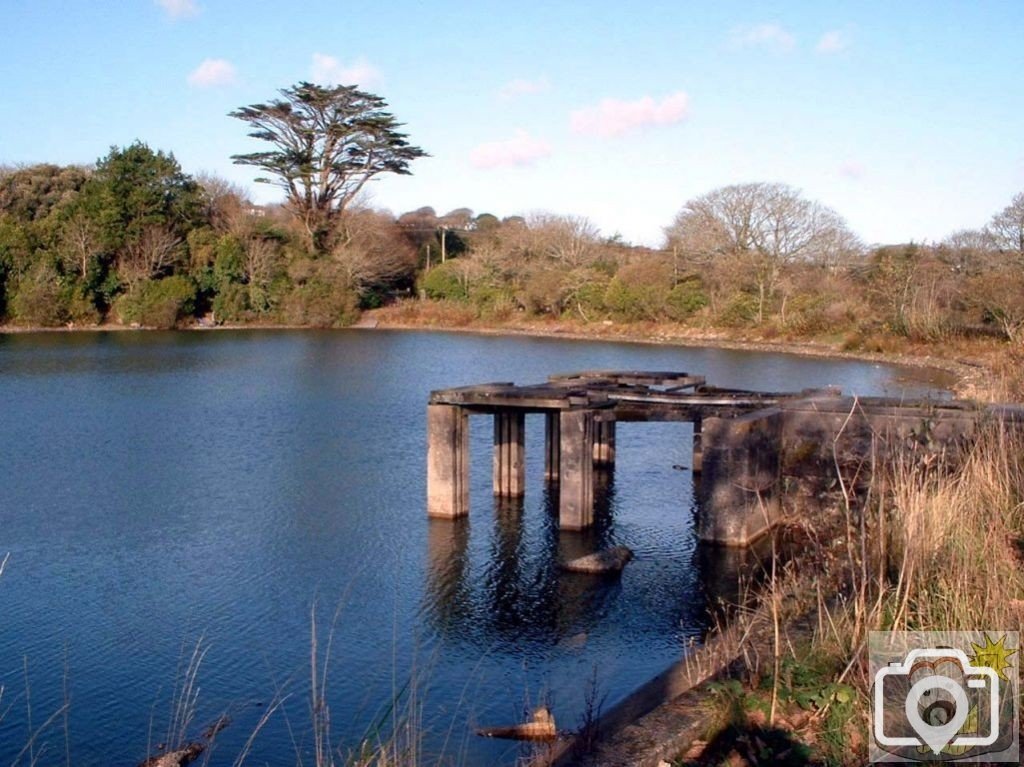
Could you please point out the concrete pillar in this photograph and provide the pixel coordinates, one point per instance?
(604, 443)
(447, 461)
(509, 454)
(697, 463)
(739, 490)
(552, 446)
(576, 470)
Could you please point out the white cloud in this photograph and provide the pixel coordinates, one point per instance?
(327, 70)
(852, 170)
(212, 73)
(519, 151)
(612, 117)
(832, 42)
(523, 87)
(771, 35)
(179, 9)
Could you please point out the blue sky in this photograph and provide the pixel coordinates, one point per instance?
(906, 117)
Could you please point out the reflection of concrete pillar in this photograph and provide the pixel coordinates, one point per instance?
(698, 446)
(448, 566)
(552, 446)
(447, 461)
(604, 443)
(576, 470)
(509, 458)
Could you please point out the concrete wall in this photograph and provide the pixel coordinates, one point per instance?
(739, 487)
(748, 461)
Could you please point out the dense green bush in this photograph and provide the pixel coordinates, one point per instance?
(158, 304)
(741, 309)
(685, 299)
(81, 308)
(231, 304)
(38, 298)
(321, 304)
(444, 283)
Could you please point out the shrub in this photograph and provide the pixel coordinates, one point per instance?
(543, 292)
(38, 298)
(685, 299)
(159, 304)
(82, 308)
(741, 309)
(320, 304)
(444, 283)
(231, 304)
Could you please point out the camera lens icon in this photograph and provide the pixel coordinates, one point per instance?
(936, 706)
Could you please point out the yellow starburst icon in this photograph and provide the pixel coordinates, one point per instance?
(994, 655)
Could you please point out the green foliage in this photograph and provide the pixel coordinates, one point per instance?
(227, 265)
(81, 308)
(202, 250)
(321, 303)
(686, 298)
(161, 303)
(741, 309)
(444, 283)
(492, 301)
(36, 192)
(135, 188)
(38, 299)
(16, 250)
(231, 304)
(588, 298)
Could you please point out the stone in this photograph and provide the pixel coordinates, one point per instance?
(610, 560)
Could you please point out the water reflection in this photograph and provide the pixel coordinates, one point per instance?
(522, 594)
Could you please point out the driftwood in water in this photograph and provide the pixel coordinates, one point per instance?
(180, 758)
(184, 756)
(605, 561)
(541, 727)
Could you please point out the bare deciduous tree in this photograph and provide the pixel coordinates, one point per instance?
(570, 240)
(763, 227)
(149, 255)
(968, 251)
(82, 241)
(1007, 228)
(226, 203)
(260, 259)
(372, 252)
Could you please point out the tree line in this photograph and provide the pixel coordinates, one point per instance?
(136, 240)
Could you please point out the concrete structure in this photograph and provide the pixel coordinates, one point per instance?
(745, 444)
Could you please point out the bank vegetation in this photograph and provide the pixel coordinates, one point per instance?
(136, 241)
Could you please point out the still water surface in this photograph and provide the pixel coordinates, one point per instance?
(160, 487)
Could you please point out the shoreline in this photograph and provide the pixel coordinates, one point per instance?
(961, 373)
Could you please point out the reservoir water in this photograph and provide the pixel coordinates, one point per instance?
(163, 489)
